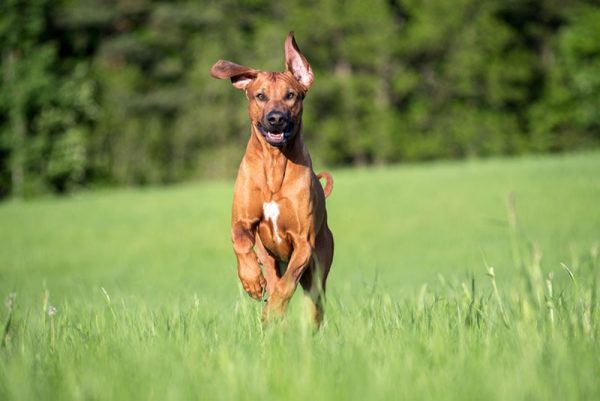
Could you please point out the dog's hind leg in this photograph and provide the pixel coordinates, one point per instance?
(314, 278)
(314, 292)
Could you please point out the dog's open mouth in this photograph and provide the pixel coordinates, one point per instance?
(275, 138)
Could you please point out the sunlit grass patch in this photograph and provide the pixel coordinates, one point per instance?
(444, 286)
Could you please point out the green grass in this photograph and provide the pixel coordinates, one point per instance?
(148, 306)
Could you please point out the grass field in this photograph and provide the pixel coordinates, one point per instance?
(133, 294)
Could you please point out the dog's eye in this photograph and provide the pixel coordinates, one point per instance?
(261, 97)
(290, 96)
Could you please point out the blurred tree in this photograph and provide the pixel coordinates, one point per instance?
(44, 140)
(101, 92)
(26, 81)
(568, 115)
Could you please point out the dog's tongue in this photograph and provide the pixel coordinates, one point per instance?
(275, 136)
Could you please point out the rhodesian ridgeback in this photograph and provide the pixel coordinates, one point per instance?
(279, 218)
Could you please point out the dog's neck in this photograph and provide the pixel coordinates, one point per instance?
(275, 161)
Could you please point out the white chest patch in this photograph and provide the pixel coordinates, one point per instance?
(271, 212)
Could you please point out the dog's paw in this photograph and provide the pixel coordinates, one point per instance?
(253, 282)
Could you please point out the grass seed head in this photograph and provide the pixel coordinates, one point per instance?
(51, 310)
(10, 301)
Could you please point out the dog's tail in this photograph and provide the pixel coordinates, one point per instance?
(328, 184)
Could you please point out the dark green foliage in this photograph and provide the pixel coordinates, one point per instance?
(104, 92)
(568, 114)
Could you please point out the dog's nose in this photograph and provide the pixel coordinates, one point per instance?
(277, 118)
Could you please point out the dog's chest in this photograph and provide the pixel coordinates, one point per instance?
(286, 214)
(277, 222)
(271, 214)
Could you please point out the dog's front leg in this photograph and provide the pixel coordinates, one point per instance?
(243, 237)
(285, 287)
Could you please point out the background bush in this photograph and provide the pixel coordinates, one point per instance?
(99, 92)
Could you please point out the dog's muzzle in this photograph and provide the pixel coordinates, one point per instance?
(276, 128)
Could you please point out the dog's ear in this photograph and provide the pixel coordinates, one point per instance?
(296, 63)
(240, 76)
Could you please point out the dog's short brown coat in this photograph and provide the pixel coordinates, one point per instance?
(279, 218)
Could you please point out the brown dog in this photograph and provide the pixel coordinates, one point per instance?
(277, 195)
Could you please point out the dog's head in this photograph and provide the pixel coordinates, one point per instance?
(275, 98)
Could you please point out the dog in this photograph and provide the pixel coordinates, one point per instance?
(279, 219)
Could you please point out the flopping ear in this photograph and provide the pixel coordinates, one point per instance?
(296, 63)
(240, 76)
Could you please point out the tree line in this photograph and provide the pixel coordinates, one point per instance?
(117, 92)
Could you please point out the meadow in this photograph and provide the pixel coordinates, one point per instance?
(451, 280)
